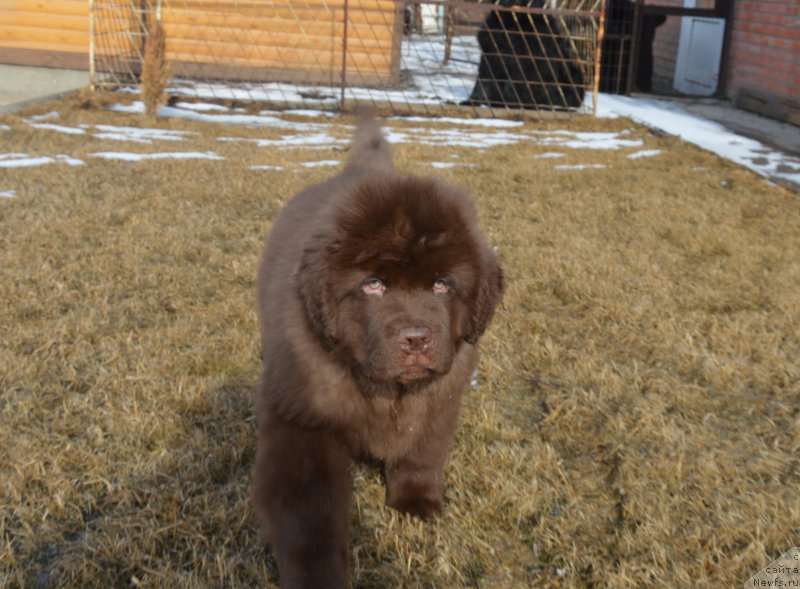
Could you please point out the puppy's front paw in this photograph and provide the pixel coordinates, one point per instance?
(426, 509)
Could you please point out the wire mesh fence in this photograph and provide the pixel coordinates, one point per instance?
(539, 57)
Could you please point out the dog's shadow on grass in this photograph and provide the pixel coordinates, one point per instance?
(214, 475)
(179, 516)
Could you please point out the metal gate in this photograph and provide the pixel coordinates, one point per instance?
(531, 57)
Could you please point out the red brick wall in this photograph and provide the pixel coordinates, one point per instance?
(765, 48)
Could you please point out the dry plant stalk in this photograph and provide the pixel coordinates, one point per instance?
(155, 69)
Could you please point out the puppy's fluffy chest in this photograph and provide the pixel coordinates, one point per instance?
(374, 426)
(387, 427)
(391, 426)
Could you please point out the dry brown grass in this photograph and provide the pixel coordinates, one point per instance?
(636, 423)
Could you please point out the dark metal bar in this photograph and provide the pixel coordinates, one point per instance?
(726, 6)
(633, 64)
(344, 53)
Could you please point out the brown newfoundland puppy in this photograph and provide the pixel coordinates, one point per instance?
(373, 291)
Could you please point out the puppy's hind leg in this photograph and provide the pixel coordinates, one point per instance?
(301, 492)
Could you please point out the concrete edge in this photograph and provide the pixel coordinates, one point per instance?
(16, 106)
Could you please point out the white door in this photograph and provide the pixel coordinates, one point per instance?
(699, 54)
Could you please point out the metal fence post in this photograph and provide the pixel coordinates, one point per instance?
(92, 81)
(344, 53)
(601, 30)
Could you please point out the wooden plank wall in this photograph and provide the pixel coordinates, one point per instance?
(305, 36)
(303, 39)
(45, 32)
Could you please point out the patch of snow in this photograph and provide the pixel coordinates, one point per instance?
(266, 167)
(70, 161)
(320, 163)
(135, 157)
(585, 140)
(481, 122)
(443, 165)
(8, 193)
(549, 155)
(314, 139)
(451, 137)
(139, 134)
(53, 114)
(226, 117)
(315, 135)
(58, 128)
(21, 160)
(300, 112)
(309, 141)
(582, 167)
(644, 153)
(201, 106)
(673, 119)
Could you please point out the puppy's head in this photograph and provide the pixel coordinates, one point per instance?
(401, 279)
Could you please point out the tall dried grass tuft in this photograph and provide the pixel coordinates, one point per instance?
(155, 69)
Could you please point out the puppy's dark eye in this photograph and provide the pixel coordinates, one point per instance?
(373, 287)
(441, 286)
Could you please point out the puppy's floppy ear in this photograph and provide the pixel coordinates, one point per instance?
(489, 294)
(311, 279)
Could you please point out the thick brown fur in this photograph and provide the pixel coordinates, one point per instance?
(373, 290)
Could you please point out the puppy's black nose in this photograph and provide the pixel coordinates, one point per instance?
(414, 340)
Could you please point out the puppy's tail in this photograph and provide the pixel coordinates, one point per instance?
(370, 151)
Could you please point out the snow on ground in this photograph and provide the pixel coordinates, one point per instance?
(113, 132)
(453, 137)
(58, 128)
(673, 119)
(582, 167)
(8, 193)
(644, 153)
(426, 80)
(445, 165)
(222, 117)
(496, 123)
(135, 157)
(320, 163)
(665, 116)
(476, 133)
(22, 160)
(309, 141)
(480, 134)
(266, 167)
(587, 140)
(139, 135)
